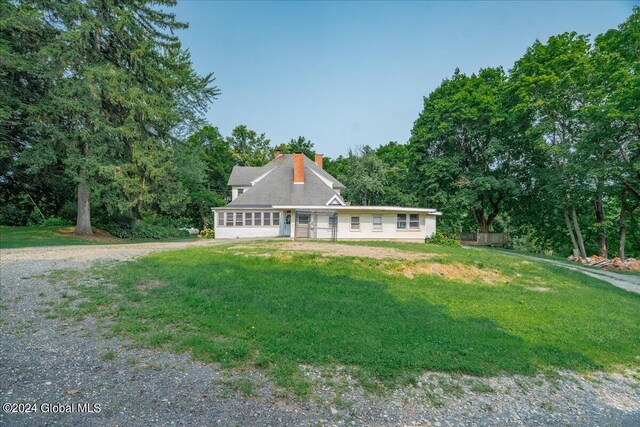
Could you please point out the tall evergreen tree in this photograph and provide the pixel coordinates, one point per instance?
(126, 89)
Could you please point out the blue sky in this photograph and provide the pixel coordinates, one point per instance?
(344, 74)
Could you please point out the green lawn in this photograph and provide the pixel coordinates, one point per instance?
(276, 310)
(22, 237)
(566, 261)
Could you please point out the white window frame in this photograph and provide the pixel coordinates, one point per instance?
(229, 219)
(248, 219)
(414, 224)
(401, 221)
(221, 219)
(375, 226)
(266, 219)
(257, 219)
(239, 219)
(355, 226)
(275, 218)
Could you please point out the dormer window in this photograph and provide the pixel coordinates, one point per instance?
(240, 191)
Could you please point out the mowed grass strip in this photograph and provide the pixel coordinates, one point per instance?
(263, 308)
(20, 237)
(34, 236)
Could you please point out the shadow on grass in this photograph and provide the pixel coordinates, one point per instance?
(307, 310)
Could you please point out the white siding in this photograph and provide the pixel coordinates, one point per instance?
(234, 191)
(246, 231)
(389, 227)
(322, 230)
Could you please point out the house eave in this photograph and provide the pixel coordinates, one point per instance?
(360, 208)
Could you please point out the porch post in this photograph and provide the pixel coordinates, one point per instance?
(293, 224)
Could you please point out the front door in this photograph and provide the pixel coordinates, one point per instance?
(302, 226)
(286, 228)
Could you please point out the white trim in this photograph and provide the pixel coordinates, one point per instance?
(325, 180)
(335, 197)
(255, 181)
(360, 208)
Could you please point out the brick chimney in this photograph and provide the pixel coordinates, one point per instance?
(298, 168)
(319, 160)
(277, 154)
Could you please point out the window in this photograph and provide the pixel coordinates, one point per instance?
(238, 219)
(303, 219)
(267, 218)
(257, 218)
(377, 222)
(240, 191)
(333, 220)
(355, 223)
(248, 218)
(276, 218)
(229, 219)
(220, 218)
(414, 221)
(402, 222)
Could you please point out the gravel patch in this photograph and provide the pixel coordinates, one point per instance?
(49, 360)
(338, 250)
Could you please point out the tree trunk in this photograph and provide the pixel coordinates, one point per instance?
(623, 225)
(576, 226)
(203, 215)
(83, 219)
(137, 210)
(576, 250)
(483, 224)
(602, 232)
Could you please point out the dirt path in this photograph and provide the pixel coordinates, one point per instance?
(627, 282)
(48, 360)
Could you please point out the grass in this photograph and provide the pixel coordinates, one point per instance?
(262, 308)
(108, 356)
(565, 260)
(22, 237)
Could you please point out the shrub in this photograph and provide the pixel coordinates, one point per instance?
(144, 230)
(442, 240)
(207, 233)
(54, 221)
(165, 221)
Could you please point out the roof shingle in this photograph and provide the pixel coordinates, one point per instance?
(277, 187)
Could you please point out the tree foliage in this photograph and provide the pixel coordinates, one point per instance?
(462, 148)
(298, 145)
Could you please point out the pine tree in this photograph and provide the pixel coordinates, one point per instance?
(125, 94)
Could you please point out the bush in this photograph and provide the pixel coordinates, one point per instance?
(54, 221)
(207, 233)
(144, 230)
(165, 221)
(443, 240)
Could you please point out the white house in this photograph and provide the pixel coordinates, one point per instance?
(295, 197)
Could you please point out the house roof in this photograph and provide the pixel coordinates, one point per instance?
(245, 176)
(275, 185)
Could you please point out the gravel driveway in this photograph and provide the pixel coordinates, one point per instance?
(627, 282)
(56, 365)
